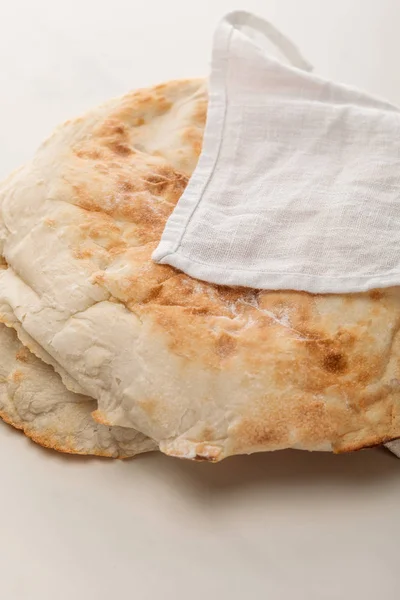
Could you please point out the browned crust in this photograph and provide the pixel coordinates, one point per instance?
(48, 439)
(100, 418)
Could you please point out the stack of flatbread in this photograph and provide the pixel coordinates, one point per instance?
(104, 352)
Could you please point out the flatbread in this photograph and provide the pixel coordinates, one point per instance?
(33, 399)
(205, 371)
(7, 317)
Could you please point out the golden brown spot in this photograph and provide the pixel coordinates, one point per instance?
(334, 362)
(140, 212)
(144, 97)
(176, 290)
(167, 183)
(23, 354)
(200, 113)
(121, 149)
(327, 351)
(98, 278)
(193, 136)
(346, 338)
(225, 345)
(112, 127)
(312, 421)
(376, 294)
(351, 443)
(201, 312)
(256, 433)
(50, 222)
(91, 154)
(126, 186)
(84, 199)
(160, 87)
(83, 253)
(138, 122)
(163, 104)
(17, 376)
(99, 417)
(115, 247)
(159, 182)
(298, 306)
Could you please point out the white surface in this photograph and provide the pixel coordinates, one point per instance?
(281, 526)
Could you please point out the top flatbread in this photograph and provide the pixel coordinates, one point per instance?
(204, 370)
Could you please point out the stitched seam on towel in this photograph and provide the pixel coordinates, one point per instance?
(283, 273)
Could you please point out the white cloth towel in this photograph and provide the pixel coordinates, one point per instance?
(298, 183)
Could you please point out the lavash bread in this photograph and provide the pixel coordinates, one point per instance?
(206, 371)
(33, 399)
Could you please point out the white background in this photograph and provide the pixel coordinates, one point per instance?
(273, 526)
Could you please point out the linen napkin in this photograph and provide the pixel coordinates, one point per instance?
(298, 184)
